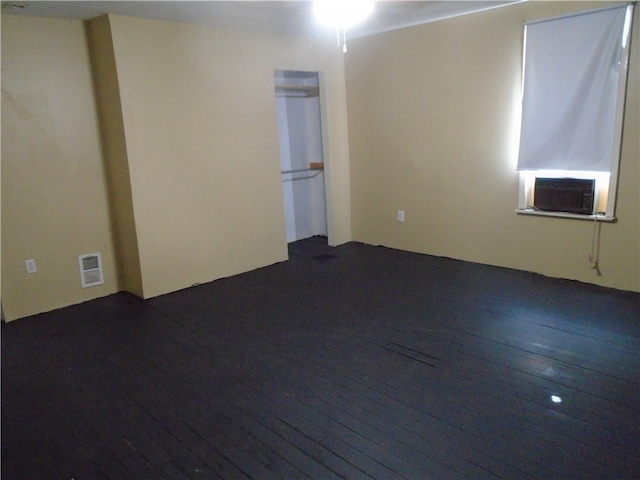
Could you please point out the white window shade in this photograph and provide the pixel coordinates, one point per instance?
(573, 91)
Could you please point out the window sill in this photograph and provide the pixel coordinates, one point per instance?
(599, 217)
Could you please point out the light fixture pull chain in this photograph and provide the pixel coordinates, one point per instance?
(344, 40)
(338, 35)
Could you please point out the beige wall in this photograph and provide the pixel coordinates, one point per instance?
(193, 163)
(114, 147)
(198, 106)
(54, 198)
(433, 115)
(190, 146)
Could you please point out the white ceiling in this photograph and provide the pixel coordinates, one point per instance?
(284, 17)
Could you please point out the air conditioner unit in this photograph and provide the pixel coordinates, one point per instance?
(571, 195)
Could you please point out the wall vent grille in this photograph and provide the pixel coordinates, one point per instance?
(91, 270)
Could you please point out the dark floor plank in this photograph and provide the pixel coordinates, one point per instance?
(362, 389)
(534, 385)
(485, 401)
(347, 362)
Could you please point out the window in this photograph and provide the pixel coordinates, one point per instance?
(574, 84)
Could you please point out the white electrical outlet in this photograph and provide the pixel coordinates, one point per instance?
(31, 265)
(401, 215)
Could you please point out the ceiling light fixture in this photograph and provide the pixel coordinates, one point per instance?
(342, 14)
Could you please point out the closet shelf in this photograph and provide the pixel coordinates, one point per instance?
(312, 166)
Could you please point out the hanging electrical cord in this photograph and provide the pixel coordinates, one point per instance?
(594, 257)
(344, 38)
(342, 15)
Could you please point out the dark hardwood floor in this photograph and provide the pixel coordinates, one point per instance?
(348, 362)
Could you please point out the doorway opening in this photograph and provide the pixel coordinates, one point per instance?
(298, 109)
